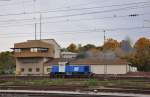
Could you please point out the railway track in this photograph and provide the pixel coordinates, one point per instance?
(118, 88)
(98, 77)
(76, 88)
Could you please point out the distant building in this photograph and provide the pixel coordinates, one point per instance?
(68, 55)
(32, 54)
(97, 66)
(36, 57)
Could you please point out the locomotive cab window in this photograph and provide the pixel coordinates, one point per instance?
(76, 69)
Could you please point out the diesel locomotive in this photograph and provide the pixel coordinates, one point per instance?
(70, 70)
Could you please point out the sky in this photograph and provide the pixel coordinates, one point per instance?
(73, 21)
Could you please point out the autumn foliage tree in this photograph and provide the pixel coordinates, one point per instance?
(141, 56)
(111, 44)
(142, 43)
(72, 48)
(138, 55)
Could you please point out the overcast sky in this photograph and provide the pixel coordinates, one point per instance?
(73, 21)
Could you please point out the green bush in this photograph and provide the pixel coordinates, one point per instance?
(91, 82)
(58, 82)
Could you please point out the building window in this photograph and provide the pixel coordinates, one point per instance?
(17, 50)
(48, 69)
(33, 49)
(30, 69)
(43, 49)
(22, 69)
(37, 69)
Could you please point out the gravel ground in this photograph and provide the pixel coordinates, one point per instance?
(55, 95)
(29, 93)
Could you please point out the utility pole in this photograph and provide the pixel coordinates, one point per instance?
(104, 37)
(105, 65)
(35, 31)
(40, 26)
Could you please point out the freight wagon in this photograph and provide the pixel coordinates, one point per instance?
(70, 71)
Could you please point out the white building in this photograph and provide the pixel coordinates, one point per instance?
(97, 66)
(68, 55)
(31, 56)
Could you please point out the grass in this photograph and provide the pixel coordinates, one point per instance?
(84, 82)
(46, 82)
(91, 82)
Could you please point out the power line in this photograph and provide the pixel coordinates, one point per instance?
(14, 3)
(85, 8)
(85, 3)
(116, 5)
(76, 5)
(14, 20)
(96, 12)
(84, 31)
(68, 20)
(48, 11)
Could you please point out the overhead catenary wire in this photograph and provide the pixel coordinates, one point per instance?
(15, 20)
(101, 18)
(73, 20)
(27, 1)
(14, 3)
(70, 15)
(96, 12)
(83, 31)
(48, 11)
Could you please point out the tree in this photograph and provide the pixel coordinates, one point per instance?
(88, 47)
(63, 50)
(141, 56)
(7, 62)
(72, 48)
(111, 44)
(142, 43)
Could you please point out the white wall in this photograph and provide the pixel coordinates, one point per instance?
(116, 69)
(109, 69)
(97, 69)
(45, 69)
(69, 55)
(56, 47)
(26, 66)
